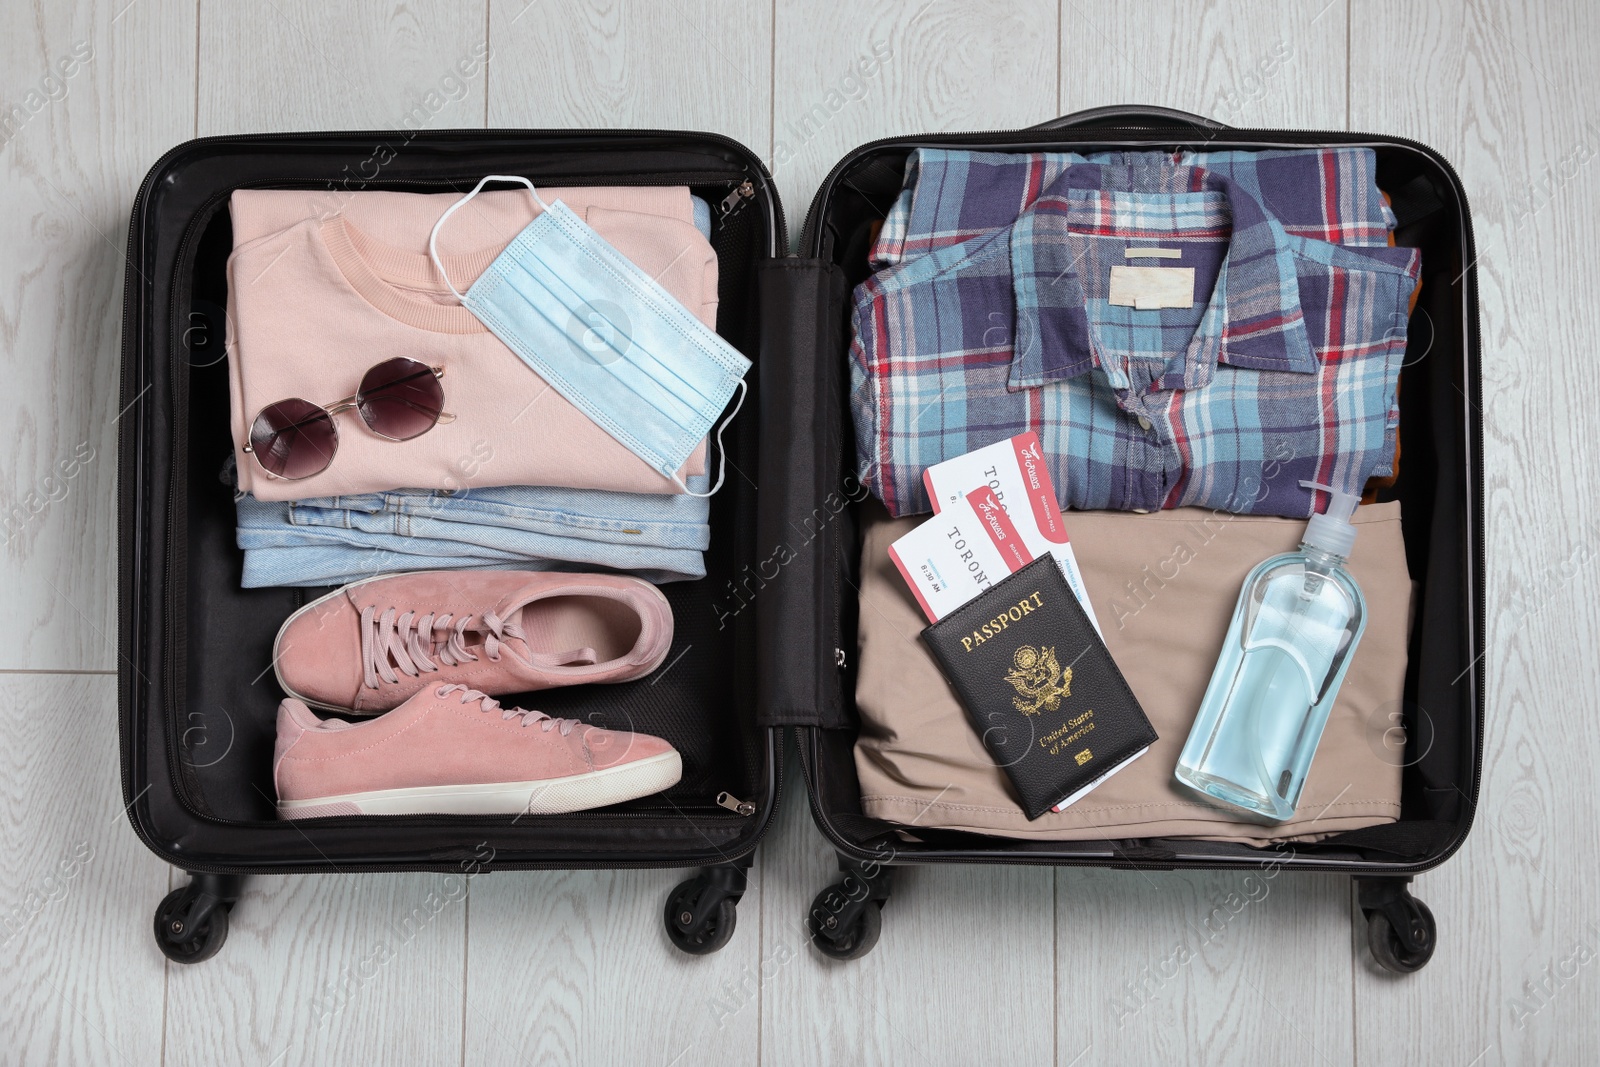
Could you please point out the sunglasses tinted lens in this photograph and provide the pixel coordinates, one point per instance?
(400, 398)
(294, 438)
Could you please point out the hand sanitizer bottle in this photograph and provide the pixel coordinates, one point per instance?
(1293, 633)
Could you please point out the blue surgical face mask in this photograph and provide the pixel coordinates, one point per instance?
(605, 335)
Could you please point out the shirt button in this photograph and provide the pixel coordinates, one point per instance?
(1144, 423)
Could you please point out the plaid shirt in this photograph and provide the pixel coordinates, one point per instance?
(993, 318)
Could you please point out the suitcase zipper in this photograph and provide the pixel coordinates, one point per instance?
(734, 200)
(734, 804)
(713, 855)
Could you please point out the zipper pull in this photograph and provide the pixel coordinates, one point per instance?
(733, 803)
(731, 203)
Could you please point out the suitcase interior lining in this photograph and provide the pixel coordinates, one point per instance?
(1440, 773)
(701, 702)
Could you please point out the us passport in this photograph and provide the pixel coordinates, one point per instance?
(1040, 687)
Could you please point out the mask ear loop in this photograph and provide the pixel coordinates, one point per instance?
(433, 236)
(722, 468)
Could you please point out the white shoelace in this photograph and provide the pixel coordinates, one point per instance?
(489, 703)
(413, 640)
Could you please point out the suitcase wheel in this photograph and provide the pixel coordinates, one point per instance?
(701, 913)
(191, 922)
(1392, 951)
(843, 941)
(846, 919)
(1401, 931)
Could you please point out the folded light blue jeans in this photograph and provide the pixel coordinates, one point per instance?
(335, 540)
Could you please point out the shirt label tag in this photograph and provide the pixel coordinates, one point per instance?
(1152, 253)
(1147, 288)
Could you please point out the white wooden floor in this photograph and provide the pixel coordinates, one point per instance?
(976, 965)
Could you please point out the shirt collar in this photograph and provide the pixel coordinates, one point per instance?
(1253, 318)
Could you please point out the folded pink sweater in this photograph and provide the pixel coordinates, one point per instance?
(324, 285)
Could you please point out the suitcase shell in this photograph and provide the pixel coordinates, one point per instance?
(197, 714)
(1440, 489)
(780, 569)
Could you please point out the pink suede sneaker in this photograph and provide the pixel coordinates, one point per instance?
(455, 751)
(370, 646)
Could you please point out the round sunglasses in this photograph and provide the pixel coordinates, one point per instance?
(398, 399)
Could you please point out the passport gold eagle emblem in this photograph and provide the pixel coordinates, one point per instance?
(1038, 679)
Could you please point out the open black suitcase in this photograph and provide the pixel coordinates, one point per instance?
(1440, 490)
(765, 639)
(197, 695)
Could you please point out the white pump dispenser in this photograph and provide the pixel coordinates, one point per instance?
(1332, 531)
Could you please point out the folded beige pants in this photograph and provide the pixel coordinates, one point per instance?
(1163, 586)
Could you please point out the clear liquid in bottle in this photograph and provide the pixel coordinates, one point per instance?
(1295, 628)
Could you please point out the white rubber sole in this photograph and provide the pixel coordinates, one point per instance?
(551, 796)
